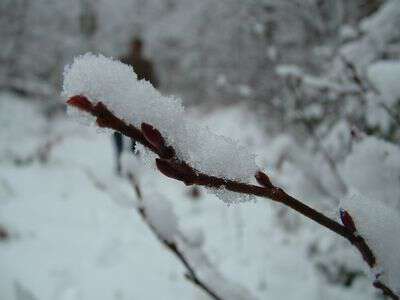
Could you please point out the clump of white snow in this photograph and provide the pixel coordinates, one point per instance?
(385, 77)
(373, 167)
(378, 30)
(379, 225)
(289, 71)
(116, 85)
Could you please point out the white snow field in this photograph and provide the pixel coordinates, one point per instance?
(74, 233)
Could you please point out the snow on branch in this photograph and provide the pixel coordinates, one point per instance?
(109, 91)
(379, 225)
(116, 86)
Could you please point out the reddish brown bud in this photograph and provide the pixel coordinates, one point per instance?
(347, 220)
(153, 136)
(263, 179)
(166, 168)
(80, 102)
(179, 171)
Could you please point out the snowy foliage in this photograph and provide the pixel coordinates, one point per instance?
(115, 84)
(373, 167)
(383, 75)
(378, 31)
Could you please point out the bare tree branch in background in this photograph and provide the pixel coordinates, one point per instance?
(173, 247)
(365, 88)
(199, 270)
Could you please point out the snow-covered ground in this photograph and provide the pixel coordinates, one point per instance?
(74, 234)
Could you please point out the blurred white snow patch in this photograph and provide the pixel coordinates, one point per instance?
(381, 20)
(245, 90)
(83, 119)
(348, 32)
(221, 80)
(194, 237)
(161, 216)
(374, 168)
(19, 117)
(289, 71)
(379, 225)
(376, 114)
(313, 110)
(208, 273)
(385, 77)
(338, 141)
(132, 163)
(378, 31)
(116, 85)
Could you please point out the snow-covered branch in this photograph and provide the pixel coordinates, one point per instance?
(109, 92)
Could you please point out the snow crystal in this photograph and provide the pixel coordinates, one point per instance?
(379, 225)
(116, 85)
(161, 216)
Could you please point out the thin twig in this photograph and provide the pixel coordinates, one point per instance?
(191, 274)
(173, 167)
(356, 78)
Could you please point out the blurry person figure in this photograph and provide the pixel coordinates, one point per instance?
(143, 68)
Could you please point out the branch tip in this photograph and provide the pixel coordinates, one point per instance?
(263, 179)
(80, 102)
(347, 220)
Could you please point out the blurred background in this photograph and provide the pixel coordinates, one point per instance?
(312, 87)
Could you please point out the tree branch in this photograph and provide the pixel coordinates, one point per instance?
(173, 167)
(191, 274)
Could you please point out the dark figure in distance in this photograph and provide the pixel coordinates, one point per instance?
(144, 70)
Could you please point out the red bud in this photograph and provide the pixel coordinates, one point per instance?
(179, 171)
(263, 179)
(166, 168)
(153, 136)
(80, 102)
(347, 220)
